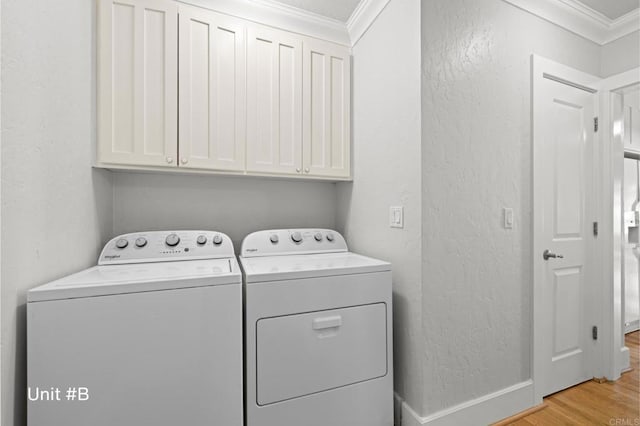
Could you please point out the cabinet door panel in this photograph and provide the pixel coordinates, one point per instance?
(274, 115)
(327, 96)
(137, 89)
(212, 90)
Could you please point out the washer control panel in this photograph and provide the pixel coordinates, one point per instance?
(276, 242)
(166, 246)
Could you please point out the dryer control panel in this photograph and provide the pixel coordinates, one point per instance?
(280, 242)
(166, 246)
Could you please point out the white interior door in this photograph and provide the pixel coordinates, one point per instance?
(565, 311)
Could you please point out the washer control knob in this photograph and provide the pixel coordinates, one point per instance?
(274, 238)
(122, 243)
(330, 237)
(141, 242)
(172, 240)
(201, 240)
(217, 239)
(318, 237)
(296, 237)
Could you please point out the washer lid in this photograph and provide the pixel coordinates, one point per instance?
(133, 278)
(277, 268)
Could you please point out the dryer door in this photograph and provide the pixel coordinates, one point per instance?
(301, 354)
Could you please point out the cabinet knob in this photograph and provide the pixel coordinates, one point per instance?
(306, 170)
(298, 169)
(169, 160)
(184, 160)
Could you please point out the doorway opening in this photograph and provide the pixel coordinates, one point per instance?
(625, 132)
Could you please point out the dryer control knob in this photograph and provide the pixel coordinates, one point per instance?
(201, 240)
(274, 238)
(296, 237)
(172, 240)
(329, 237)
(318, 237)
(122, 243)
(141, 242)
(217, 240)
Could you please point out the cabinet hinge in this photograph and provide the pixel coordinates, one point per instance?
(594, 332)
(595, 229)
(595, 124)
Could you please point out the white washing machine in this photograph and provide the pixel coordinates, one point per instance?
(152, 336)
(318, 331)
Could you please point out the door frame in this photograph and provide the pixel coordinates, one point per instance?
(612, 170)
(563, 74)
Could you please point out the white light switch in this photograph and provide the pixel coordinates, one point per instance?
(396, 217)
(508, 218)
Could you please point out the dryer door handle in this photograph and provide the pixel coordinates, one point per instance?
(327, 322)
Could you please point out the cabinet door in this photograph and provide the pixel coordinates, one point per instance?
(326, 110)
(212, 90)
(274, 107)
(137, 82)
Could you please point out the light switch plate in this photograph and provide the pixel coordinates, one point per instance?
(508, 218)
(396, 217)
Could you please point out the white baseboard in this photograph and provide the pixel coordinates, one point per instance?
(625, 361)
(632, 326)
(397, 409)
(481, 411)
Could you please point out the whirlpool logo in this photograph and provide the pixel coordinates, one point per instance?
(252, 250)
(112, 256)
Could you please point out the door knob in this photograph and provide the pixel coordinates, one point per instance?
(546, 255)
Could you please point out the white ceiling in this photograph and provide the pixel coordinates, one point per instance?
(336, 9)
(612, 9)
(341, 10)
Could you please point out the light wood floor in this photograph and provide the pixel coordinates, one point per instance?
(590, 403)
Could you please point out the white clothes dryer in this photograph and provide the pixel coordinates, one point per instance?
(318, 331)
(150, 336)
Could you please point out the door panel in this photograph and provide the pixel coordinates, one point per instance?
(327, 94)
(123, 78)
(137, 117)
(563, 173)
(568, 121)
(298, 355)
(567, 286)
(212, 90)
(274, 102)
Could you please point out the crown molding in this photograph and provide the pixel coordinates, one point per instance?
(580, 19)
(279, 15)
(362, 17)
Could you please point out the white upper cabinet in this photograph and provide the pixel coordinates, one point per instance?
(212, 90)
(138, 82)
(274, 107)
(182, 87)
(326, 111)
